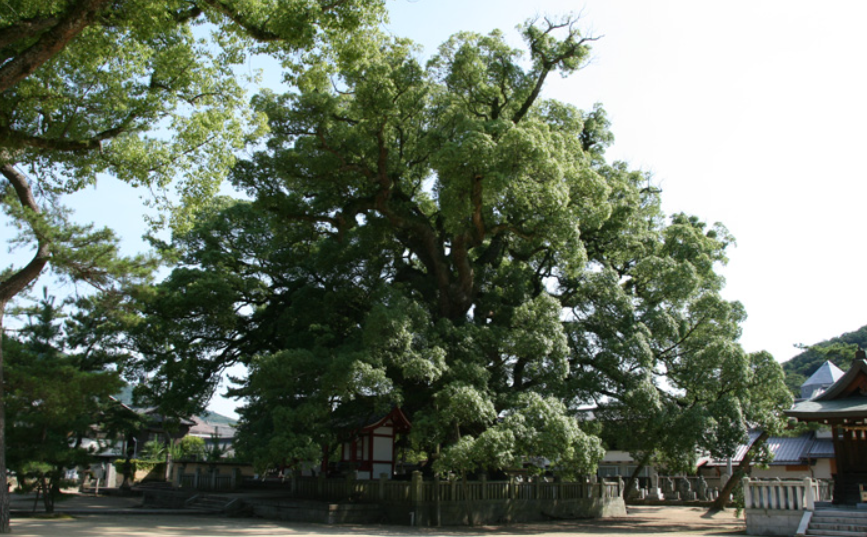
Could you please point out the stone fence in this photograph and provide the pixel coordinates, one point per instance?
(781, 507)
(790, 495)
(675, 489)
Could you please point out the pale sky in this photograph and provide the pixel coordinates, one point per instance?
(751, 114)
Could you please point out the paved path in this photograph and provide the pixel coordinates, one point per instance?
(658, 521)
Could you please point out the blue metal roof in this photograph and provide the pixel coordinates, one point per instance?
(786, 450)
(821, 449)
(789, 450)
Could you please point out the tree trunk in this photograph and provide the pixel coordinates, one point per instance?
(74, 21)
(4, 487)
(734, 480)
(47, 497)
(9, 288)
(634, 477)
(127, 474)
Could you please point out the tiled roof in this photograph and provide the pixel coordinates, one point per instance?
(786, 450)
(820, 448)
(789, 450)
(742, 449)
(854, 407)
(207, 430)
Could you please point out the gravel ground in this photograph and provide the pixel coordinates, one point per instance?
(645, 520)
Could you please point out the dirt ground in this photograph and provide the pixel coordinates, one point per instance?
(645, 520)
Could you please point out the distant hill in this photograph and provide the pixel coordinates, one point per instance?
(215, 418)
(125, 397)
(839, 350)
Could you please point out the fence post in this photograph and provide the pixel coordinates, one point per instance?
(809, 495)
(748, 494)
(416, 495)
(513, 488)
(320, 485)
(196, 477)
(382, 479)
(351, 478)
(415, 492)
(484, 481)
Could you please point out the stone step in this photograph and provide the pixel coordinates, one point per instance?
(839, 526)
(841, 512)
(839, 520)
(833, 533)
(210, 503)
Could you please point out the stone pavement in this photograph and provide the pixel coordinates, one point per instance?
(644, 520)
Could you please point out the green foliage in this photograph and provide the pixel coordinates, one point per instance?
(139, 66)
(142, 90)
(214, 452)
(154, 451)
(443, 239)
(137, 465)
(53, 396)
(192, 447)
(653, 343)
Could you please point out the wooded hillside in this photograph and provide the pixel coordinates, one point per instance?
(840, 350)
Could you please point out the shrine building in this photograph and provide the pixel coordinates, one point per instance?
(843, 407)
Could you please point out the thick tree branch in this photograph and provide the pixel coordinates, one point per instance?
(26, 29)
(17, 140)
(20, 279)
(77, 18)
(478, 222)
(573, 49)
(256, 31)
(734, 480)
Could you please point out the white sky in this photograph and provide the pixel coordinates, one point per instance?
(749, 113)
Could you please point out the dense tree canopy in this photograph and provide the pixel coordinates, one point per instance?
(139, 89)
(445, 239)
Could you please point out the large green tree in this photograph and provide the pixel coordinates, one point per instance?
(138, 89)
(446, 239)
(405, 224)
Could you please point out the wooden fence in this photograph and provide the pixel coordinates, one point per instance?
(437, 490)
